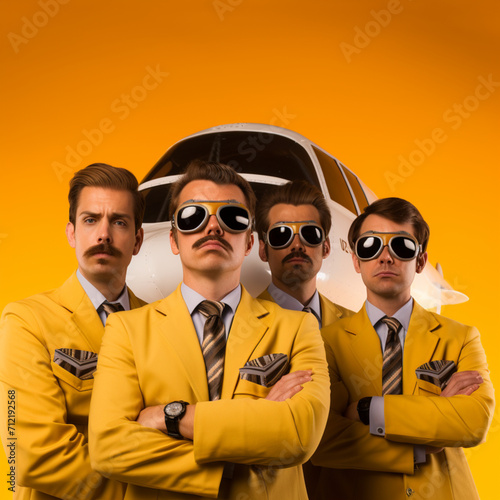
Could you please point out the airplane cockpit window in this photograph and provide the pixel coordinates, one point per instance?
(335, 181)
(248, 152)
(356, 188)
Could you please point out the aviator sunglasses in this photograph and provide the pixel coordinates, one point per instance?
(401, 245)
(193, 216)
(281, 234)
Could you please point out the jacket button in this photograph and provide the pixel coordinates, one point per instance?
(409, 492)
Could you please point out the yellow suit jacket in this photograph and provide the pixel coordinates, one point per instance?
(364, 466)
(330, 312)
(152, 356)
(51, 404)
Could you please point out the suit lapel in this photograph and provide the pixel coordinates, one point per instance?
(135, 302)
(265, 295)
(85, 321)
(176, 327)
(420, 345)
(329, 312)
(250, 323)
(366, 349)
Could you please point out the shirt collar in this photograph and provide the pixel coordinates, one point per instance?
(97, 298)
(286, 301)
(192, 298)
(403, 315)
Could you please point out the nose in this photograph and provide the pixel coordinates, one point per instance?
(297, 243)
(385, 256)
(104, 233)
(213, 226)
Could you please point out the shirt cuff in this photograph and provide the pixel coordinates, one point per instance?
(377, 419)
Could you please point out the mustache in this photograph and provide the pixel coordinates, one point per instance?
(102, 248)
(214, 237)
(296, 254)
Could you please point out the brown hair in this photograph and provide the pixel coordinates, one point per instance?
(292, 193)
(219, 173)
(105, 176)
(396, 210)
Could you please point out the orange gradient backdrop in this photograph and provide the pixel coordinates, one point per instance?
(406, 93)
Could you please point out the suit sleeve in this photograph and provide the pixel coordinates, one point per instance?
(125, 450)
(51, 454)
(456, 421)
(347, 444)
(258, 431)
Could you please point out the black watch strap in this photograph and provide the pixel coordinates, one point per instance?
(364, 410)
(173, 413)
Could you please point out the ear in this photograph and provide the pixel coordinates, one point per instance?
(262, 251)
(421, 261)
(139, 238)
(355, 262)
(173, 243)
(70, 234)
(250, 241)
(326, 248)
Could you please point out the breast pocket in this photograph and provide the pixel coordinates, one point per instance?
(425, 388)
(67, 378)
(246, 389)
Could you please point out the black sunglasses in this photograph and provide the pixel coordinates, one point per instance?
(193, 216)
(281, 234)
(401, 245)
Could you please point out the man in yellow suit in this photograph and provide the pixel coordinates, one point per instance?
(399, 415)
(49, 343)
(293, 222)
(186, 403)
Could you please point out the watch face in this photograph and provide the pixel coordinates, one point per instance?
(173, 409)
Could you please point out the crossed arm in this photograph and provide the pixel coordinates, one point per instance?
(127, 444)
(52, 451)
(459, 417)
(285, 388)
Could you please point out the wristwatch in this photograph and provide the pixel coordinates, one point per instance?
(174, 411)
(364, 410)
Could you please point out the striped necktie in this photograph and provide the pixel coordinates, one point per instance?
(392, 369)
(308, 309)
(109, 307)
(214, 345)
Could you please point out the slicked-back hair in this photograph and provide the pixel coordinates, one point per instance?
(292, 193)
(396, 210)
(105, 176)
(218, 173)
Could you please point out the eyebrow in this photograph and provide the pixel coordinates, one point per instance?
(114, 215)
(297, 222)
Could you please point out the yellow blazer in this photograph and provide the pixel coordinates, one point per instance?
(364, 466)
(152, 356)
(51, 405)
(330, 312)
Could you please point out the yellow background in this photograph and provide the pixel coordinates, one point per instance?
(363, 84)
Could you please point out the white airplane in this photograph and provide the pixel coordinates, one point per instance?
(266, 156)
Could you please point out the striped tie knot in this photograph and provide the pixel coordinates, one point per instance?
(111, 307)
(214, 345)
(393, 325)
(211, 308)
(392, 368)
